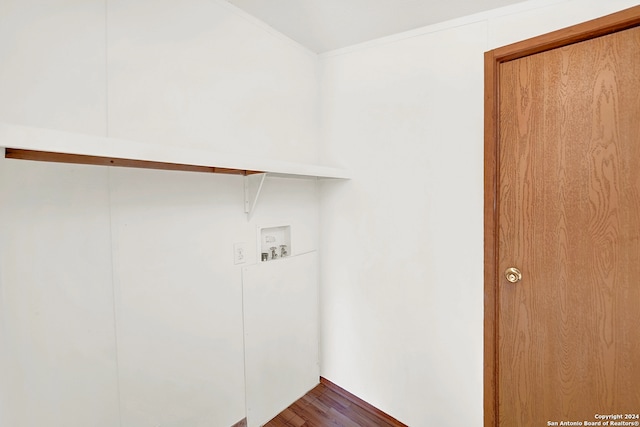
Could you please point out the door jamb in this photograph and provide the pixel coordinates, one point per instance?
(618, 21)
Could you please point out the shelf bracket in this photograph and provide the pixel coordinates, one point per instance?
(252, 187)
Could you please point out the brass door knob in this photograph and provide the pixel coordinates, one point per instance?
(513, 275)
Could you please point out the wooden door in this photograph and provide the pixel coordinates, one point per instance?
(565, 339)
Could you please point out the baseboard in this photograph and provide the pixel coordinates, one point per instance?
(241, 423)
(364, 405)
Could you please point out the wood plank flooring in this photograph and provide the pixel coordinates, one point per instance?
(327, 405)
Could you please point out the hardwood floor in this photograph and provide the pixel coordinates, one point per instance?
(327, 405)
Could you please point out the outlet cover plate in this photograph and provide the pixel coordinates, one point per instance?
(239, 253)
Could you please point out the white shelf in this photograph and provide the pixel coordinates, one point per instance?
(31, 143)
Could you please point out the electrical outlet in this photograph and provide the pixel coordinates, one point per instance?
(239, 253)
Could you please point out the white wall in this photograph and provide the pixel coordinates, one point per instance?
(202, 74)
(53, 64)
(55, 277)
(179, 295)
(55, 265)
(402, 247)
(121, 305)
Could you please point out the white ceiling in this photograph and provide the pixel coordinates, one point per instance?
(323, 25)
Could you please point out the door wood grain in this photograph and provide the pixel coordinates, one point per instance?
(567, 337)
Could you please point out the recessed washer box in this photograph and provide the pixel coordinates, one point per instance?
(275, 242)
